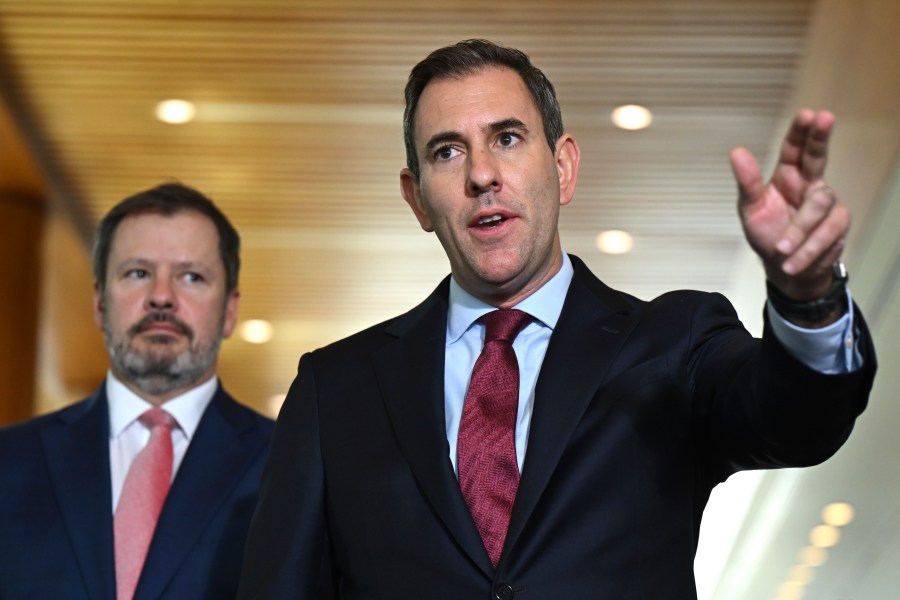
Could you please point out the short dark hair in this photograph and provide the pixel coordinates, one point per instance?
(168, 199)
(468, 57)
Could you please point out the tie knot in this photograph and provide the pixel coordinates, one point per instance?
(157, 417)
(504, 324)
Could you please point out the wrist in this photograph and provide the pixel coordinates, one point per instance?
(815, 312)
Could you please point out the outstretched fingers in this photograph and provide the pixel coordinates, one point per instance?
(815, 151)
(804, 152)
(816, 235)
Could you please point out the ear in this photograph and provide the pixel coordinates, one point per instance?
(568, 156)
(231, 311)
(412, 193)
(98, 307)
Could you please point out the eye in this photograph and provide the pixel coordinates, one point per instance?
(137, 274)
(508, 139)
(192, 277)
(445, 153)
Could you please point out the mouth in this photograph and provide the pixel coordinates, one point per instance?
(490, 221)
(161, 324)
(158, 328)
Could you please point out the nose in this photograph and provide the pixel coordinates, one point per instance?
(484, 172)
(161, 295)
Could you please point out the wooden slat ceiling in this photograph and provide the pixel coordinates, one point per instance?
(298, 134)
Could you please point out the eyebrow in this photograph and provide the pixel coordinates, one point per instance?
(440, 139)
(510, 123)
(141, 262)
(497, 126)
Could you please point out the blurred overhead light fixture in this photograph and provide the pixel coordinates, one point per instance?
(175, 111)
(632, 117)
(824, 536)
(614, 241)
(802, 574)
(813, 556)
(790, 590)
(837, 514)
(256, 331)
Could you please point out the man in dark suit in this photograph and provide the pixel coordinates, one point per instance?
(627, 414)
(166, 266)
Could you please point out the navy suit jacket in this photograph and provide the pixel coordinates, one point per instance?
(640, 409)
(56, 532)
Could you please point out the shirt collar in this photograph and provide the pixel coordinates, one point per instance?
(545, 304)
(125, 406)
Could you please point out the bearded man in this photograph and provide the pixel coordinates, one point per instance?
(146, 488)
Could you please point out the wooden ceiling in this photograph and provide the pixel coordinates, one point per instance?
(298, 134)
(298, 138)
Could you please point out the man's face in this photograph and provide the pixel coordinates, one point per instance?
(164, 310)
(490, 187)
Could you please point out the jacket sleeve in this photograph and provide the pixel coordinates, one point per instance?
(763, 408)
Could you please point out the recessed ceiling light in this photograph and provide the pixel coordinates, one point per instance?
(632, 117)
(256, 331)
(837, 514)
(824, 536)
(615, 241)
(802, 574)
(790, 590)
(814, 557)
(175, 111)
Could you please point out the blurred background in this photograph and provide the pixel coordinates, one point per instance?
(291, 121)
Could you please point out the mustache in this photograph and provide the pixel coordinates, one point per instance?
(161, 317)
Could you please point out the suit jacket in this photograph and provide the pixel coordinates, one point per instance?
(640, 409)
(56, 530)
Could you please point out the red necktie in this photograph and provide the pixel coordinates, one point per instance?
(143, 494)
(486, 455)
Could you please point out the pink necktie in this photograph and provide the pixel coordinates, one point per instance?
(143, 494)
(486, 454)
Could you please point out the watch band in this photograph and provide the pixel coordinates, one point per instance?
(813, 311)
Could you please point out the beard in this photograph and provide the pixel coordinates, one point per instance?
(160, 369)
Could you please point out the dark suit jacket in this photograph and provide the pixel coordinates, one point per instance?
(640, 409)
(56, 532)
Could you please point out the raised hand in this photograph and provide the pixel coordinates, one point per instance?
(795, 221)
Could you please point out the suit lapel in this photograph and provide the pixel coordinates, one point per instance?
(216, 459)
(78, 462)
(411, 378)
(593, 326)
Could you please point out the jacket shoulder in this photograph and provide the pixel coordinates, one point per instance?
(57, 418)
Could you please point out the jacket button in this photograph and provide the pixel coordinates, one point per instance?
(503, 592)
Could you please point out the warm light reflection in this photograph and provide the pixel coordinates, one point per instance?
(790, 590)
(274, 403)
(632, 117)
(824, 536)
(802, 574)
(615, 241)
(256, 331)
(175, 111)
(814, 557)
(837, 514)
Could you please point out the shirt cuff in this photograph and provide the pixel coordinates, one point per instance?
(831, 349)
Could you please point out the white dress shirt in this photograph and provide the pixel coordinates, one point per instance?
(128, 436)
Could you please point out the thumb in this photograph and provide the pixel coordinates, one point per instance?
(748, 177)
